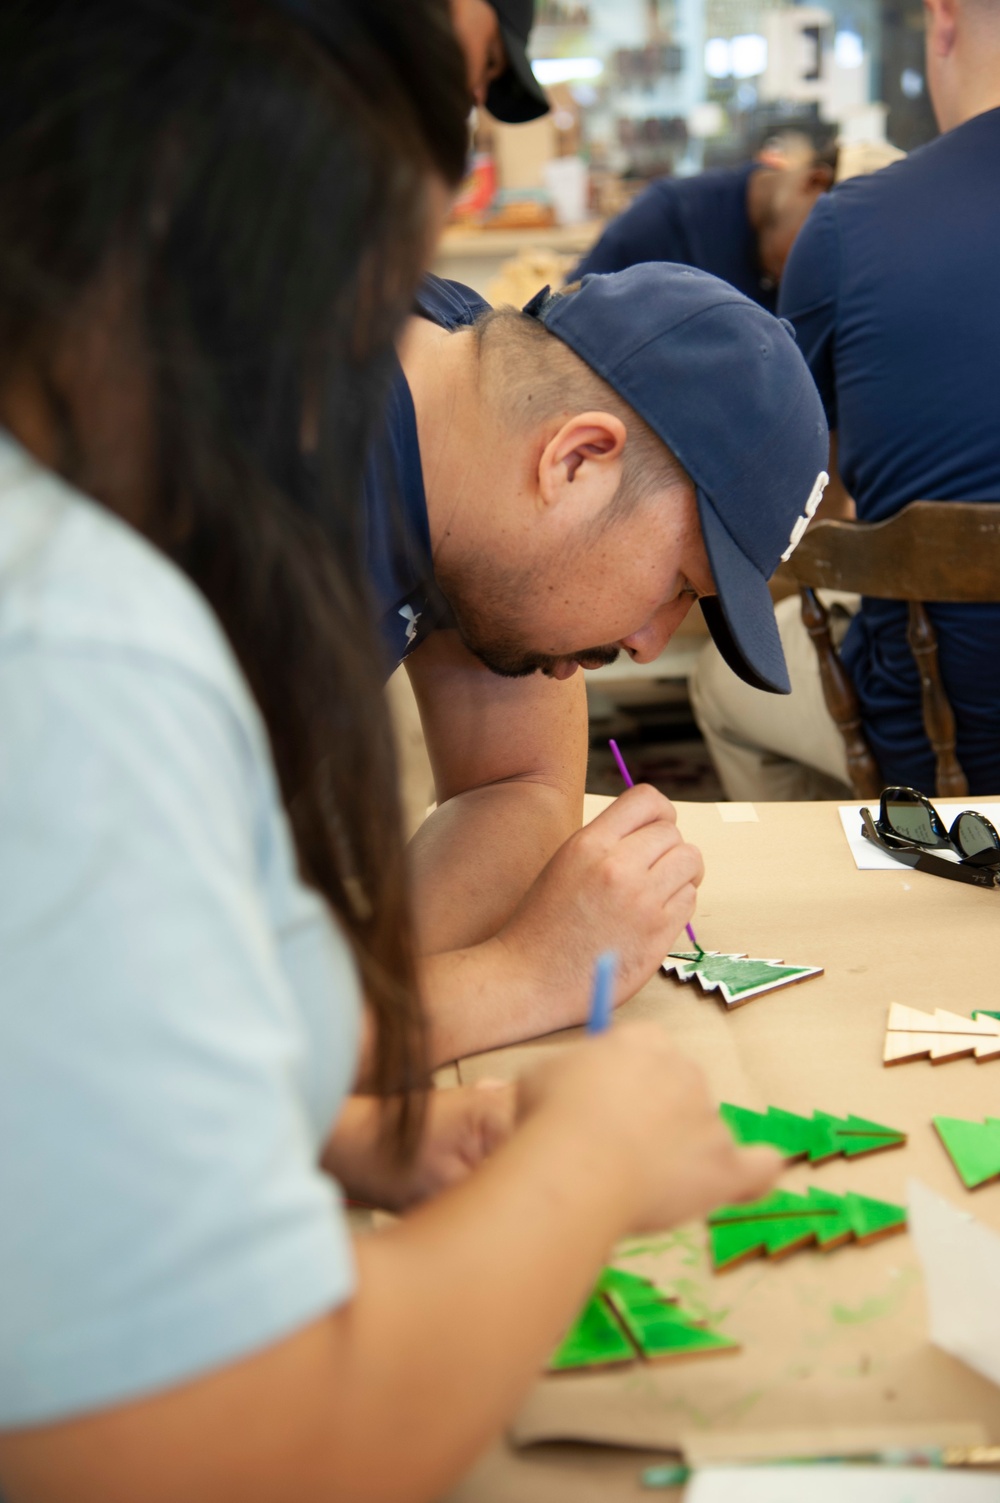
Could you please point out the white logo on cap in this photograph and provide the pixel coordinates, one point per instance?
(815, 497)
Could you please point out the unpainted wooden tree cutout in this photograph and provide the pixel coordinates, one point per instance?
(941, 1035)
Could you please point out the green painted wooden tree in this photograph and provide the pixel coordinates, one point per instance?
(628, 1319)
(736, 977)
(818, 1138)
(973, 1147)
(782, 1222)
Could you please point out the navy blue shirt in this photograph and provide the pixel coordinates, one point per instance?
(397, 533)
(697, 221)
(894, 290)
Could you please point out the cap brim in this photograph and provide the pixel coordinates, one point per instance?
(740, 615)
(516, 96)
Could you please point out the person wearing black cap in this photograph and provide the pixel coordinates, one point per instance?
(573, 477)
(494, 36)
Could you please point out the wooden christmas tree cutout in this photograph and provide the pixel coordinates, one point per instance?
(973, 1147)
(737, 977)
(818, 1138)
(627, 1319)
(782, 1222)
(911, 1034)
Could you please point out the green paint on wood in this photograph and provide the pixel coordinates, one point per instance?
(596, 1340)
(782, 1222)
(818, 1138)
(627, 1318)
(658, 1328)
(973, 1147)
(983, 1013)
(737, 977)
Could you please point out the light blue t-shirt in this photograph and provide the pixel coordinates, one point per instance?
(179, 1014)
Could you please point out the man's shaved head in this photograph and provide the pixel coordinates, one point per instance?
(533, 379)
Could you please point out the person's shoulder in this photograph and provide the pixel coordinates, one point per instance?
(449, 304)
(75, 578)
(714, 182)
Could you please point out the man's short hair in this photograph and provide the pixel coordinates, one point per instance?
(532, 377)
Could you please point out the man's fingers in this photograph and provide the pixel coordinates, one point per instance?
(680, 864)
(638, 806)
(643, 848)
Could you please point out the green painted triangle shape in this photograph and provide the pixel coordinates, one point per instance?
(856, 1135)
(777, 1203)
(820, 1137)
(655, 1324)
(731, 1242)
(824, 1142)
(973, 1147)
(790, 1133)
(781, 1130)
(595, 1340)
(873, 1218)
(627, 1317)
(983, 1013)
(781, 1221)
(831, 1222)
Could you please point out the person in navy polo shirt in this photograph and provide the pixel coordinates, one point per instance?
(739, 223)
(570, 478)
(892, 287)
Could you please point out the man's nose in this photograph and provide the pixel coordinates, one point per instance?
(646, 644)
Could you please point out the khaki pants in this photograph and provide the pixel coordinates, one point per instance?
(775, 746)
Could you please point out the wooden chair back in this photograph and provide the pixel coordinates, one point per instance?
(930, 552)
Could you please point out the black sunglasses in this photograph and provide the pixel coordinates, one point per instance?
(910, 829)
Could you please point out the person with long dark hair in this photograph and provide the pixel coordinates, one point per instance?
(213, 214)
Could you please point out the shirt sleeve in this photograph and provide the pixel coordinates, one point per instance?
(644, 232)
(163, 1211)
(808, 298)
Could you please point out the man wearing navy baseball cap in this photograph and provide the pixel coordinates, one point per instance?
(494, 35)
(571, 478)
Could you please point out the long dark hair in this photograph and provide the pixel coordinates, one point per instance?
(261, 187)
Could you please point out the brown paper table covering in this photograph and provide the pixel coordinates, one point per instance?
(835, 1353)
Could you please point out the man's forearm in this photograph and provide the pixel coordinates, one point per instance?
(473, 861)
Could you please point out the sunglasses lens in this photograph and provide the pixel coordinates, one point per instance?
(974, 834)
(914, 820)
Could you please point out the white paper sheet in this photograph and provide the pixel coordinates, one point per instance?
(834, 1484)
(868, 857)
(961, 1263)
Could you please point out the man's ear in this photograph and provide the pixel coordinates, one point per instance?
(820, 178)
(940, 17)
(585, 453)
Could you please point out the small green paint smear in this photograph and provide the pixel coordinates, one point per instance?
(692, 1296)
(687, 1242)
(876, 1307)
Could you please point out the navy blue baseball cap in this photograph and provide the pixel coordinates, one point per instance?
(516, 96)
(724, 385)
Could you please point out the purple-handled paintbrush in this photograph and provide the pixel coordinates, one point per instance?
(630, 784)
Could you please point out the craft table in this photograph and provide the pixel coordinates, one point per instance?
(834, 1347)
